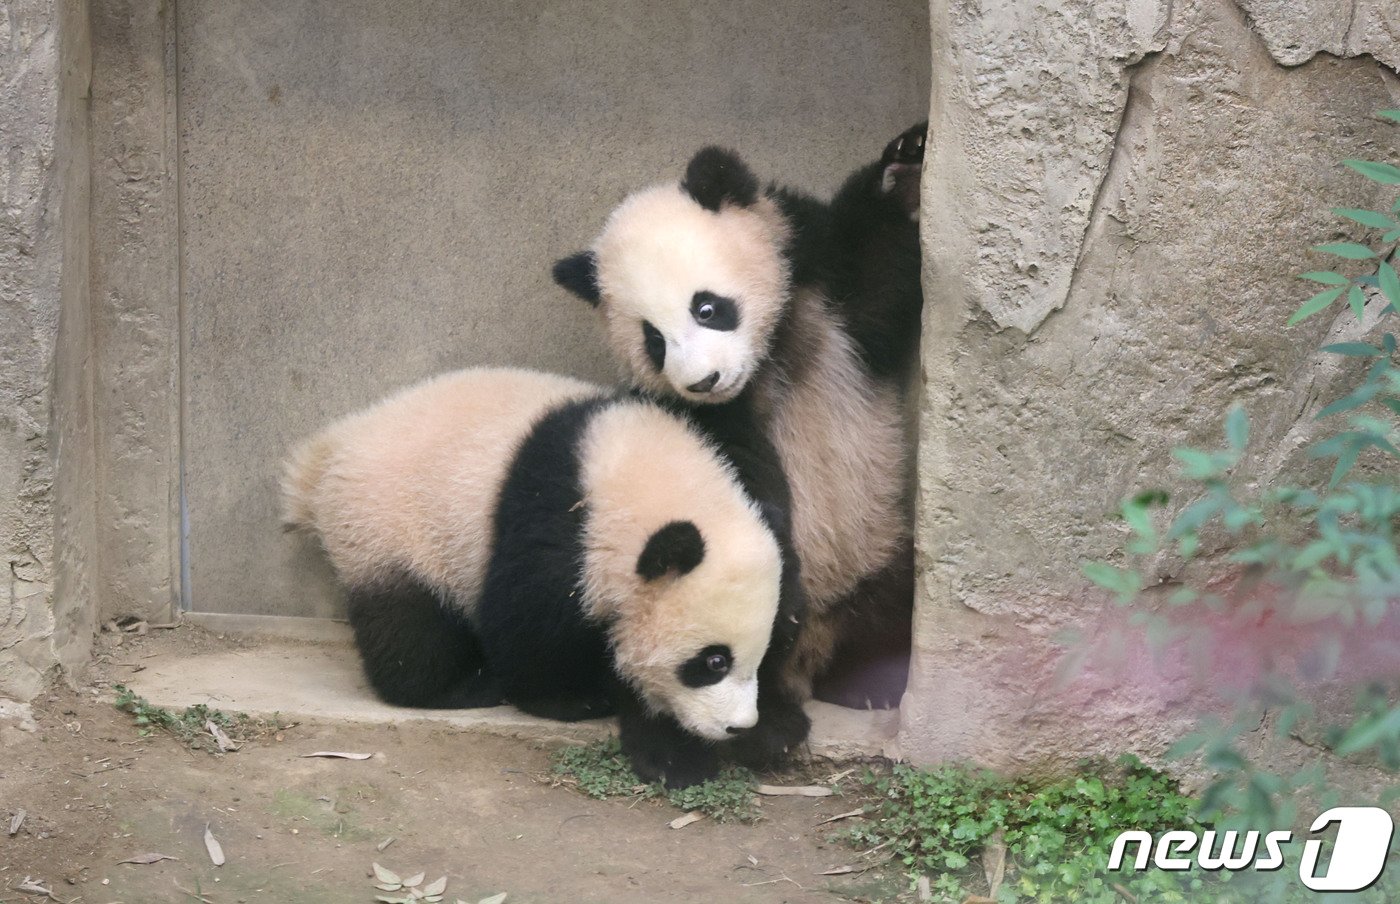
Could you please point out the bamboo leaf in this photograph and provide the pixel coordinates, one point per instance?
(1383, 173)
(1357, 299)
(1392, 115)
(1352, 349)
(1237, 428)
(1390, 283)
(1345, 461)
(1365, 217)
(1365, 393)
(1313, 305)
(1351, 251)
(1326, 277)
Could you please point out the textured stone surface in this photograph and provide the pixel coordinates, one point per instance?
(374, 192)
(1294, 31)
(1165, 187)
(44, 421)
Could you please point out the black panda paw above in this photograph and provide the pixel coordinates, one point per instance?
(780, 731)
(902, 166)
(674, 765)
(659, 750)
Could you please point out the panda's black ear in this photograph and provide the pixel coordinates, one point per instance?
(579, 274)
(716, 176)
(675, 548)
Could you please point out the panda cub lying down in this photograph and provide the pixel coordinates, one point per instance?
(513, 536)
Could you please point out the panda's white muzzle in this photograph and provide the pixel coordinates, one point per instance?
(720, 711)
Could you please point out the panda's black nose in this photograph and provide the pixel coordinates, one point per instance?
(734, 729)
(706, 384)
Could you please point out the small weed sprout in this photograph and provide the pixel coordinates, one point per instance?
(601, 771)
(1058, 834)
(188, 725)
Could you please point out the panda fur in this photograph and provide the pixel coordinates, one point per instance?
(769, 310)
(513, 536)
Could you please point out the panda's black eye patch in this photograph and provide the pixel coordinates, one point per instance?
(707, 667)
(714, 312)
(655, 344)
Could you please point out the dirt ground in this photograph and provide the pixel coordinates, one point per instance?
(481, 810)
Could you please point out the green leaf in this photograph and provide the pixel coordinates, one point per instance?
(1345, 461)
(1348, 250)
(1138, 519)
(1197, 465)
(1357, 299)
(1392, 115)
(1193, 516)
(1390, 283)
(1326, 277)
(1237, 428)
(1316, 303)
(1367, 734)
(1352, 349)
(1365, 393)
(1383, 173)
(1365, 217)
(1121, 581)
(1182, 597)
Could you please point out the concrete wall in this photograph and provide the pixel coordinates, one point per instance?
(136, 312)
(1118, 197)
(372, 192)
(46, 452)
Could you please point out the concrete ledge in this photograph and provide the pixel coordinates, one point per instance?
(324, 681)
(272, 627)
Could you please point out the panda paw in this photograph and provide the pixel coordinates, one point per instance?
(902, 166)
(661, 751)
(779, 732)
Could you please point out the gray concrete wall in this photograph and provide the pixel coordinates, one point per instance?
(136, 315)
(46, 453)
(1118, 198)
(373, 192)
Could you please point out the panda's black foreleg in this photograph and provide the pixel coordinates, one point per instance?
(659, 750)
(781, 729)
(782, 724)
(873, 273)
(416, 649)
(901, 168)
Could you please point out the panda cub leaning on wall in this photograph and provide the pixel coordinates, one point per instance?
(513, 536)
(787, 329)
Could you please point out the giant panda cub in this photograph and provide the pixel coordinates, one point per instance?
(768, 313)
(513, 536)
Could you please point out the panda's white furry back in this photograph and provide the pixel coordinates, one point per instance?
(507, 535)
(767, 311)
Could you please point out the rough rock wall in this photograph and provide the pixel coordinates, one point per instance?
(1117, 198)
(46, 520)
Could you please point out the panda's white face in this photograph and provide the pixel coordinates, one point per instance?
(681, 567)
(690, 296)
(700, 620)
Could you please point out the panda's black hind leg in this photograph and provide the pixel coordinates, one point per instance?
(568, 708)
(902, 167)
(416, 651)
